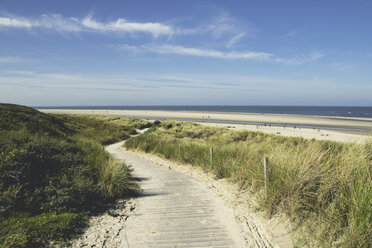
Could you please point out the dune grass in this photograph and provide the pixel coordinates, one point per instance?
(103, 129)
(54, 173)
(26, 230)
(325, 187)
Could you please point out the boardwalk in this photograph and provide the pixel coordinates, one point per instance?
(173, 210)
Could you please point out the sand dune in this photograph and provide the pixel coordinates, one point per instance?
(317, 127)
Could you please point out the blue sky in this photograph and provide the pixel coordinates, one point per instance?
(262, 52)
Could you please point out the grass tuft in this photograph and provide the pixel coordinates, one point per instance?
(115, 179)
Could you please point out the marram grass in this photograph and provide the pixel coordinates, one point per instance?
(325, 187)
(54, 173)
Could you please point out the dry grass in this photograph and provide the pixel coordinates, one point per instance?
(323, 186)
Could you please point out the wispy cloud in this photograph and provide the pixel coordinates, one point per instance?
(30, 79)
(235, 39)
(11, 59)
(191, 51)
(343, 66)
(36, 88)
(15, 23)
(227, 28)
(289, 34)
(59, 23)
(220, 27)
(122, 25)
(223, 29)
(56, 22)
(129, 48)
(72, 24)
(232, 55)
(301, 59)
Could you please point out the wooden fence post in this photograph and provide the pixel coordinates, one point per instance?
(212, 156)
(266, 171)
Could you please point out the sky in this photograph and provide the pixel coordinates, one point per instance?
(186, 52)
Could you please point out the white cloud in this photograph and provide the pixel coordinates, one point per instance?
(235, 39)
(15, 23)
(223, 30)
(56, 22)
(220, 29)
(211, 53)
(190, 51)
(301, 59)
(289, 34)
(60, 23)
(122, 25)
(225, 27)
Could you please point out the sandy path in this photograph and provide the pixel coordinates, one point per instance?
(174, 210)
(181, 206)
(106, 229)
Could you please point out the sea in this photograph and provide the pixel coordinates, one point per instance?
(364, 112)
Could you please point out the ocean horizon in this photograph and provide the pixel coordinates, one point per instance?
(341, 111)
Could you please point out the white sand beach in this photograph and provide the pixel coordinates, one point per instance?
(258, 122)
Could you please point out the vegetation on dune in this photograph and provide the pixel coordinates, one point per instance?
(54, 172)
(323, 186)
(104, 129)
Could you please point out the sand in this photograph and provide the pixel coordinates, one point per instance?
(253, 225)
(229, 212)
(108, 228)
(318, 130)
(307, 133)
